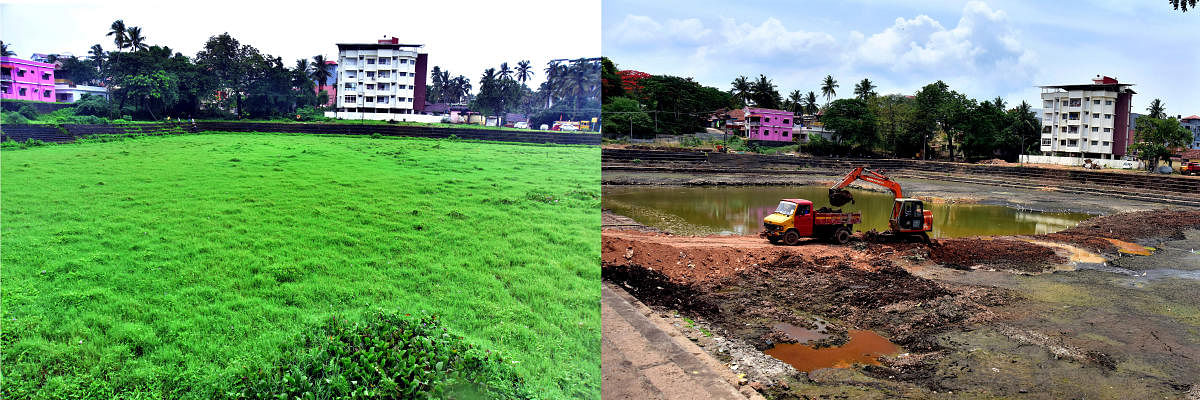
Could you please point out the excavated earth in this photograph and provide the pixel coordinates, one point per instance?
(742, 286)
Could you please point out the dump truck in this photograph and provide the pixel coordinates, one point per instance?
(1190, 168)
(794, 219)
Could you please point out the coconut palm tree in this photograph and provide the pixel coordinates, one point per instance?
(4, 50)
(810, 103)
(741, 89)
(505, 72)
(1157, 109)
(1183, 4)
(97, 54)
(797, 100)
(319, 72)
(829, 88)
(524, 71)
(117, 31)
(136, 40)
(864, 89)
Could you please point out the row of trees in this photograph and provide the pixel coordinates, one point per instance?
(642, 105)
(225, 79)
(571, 90)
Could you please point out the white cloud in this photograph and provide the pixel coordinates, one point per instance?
(643, 30)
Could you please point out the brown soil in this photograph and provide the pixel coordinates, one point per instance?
(745, 285)
(964, 253)
(1130, 227)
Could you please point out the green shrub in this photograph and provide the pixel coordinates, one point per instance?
(12, 117)
(28, 112)
(311, 114)
(96, 106)
(386, 356)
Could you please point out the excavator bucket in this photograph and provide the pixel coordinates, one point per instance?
(838, 197)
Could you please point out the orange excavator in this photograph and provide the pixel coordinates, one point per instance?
(909, 218)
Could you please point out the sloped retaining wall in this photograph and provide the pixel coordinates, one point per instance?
(68, 133)
(405, 130)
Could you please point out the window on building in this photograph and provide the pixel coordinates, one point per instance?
(402, 73)
(1047, 142)
(1064, 103)
(370, 74)
(1075, 103)
(1073, 116)
(786, 121)
(370, 86)
(1095, 115)
(351, 75)
(351, 99)
(1062, 142)
(404, 61)
(1064, 116)
(1108, 102)
(382, 100)
(1108, 129)
(370, 61)
(383, 86)
(1095, 129)
(1107, 116)
(45, 93)
(20, 72)
(1104, 143)
(384, 74)
(1073, 129)
(1094, 143)
(1064, 129)
(1072, 142)
(369, 99)
(1045, 129)
(411, 87)
(385, 61)
(45, 76)
(1097, 102)
(22, 91)
(350, 85)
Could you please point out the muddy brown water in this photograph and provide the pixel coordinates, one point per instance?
(741, 209)
(864, 347)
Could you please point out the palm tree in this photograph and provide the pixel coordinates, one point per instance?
(1025, 126)
(117, 31)
(4, 50)
(864, 89)
(1157, 109)
(505, 72)
(1183, 4)
(524, 71)
(741, 89)
(461, 88)
(97, 54)
(797, 99)
(999, 102)
(829, 88)
(762, 91)
(136, 40)
(319, 72)
(810, 103)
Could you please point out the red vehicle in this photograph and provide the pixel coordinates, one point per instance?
(909, 217)
(795, 219)
(1190, 168)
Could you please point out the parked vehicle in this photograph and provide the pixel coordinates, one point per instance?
(795, 219)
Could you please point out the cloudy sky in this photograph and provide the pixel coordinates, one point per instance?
(464, 37)
(983, 48)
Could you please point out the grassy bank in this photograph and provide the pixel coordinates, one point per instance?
(173, 267)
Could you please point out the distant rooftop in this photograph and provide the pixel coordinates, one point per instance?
(385, 43)
(1099, 82)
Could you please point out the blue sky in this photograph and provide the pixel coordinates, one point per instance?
(982, 48)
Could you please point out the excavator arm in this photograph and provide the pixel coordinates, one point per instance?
(838, 195)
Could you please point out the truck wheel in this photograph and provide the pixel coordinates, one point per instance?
(841, 236)
(791, 238)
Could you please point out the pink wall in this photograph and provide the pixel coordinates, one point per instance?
(773, 125)
(35, 78)
(331, 90)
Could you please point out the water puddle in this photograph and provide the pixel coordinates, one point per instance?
(1130, 248)
(804, 335)
(863, 348)
(740, 210)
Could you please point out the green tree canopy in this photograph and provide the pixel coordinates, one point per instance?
(853, 123)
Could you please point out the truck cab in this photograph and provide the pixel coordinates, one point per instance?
(795, 218)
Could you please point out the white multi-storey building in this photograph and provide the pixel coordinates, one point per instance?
(1086, 121)
(380, 81)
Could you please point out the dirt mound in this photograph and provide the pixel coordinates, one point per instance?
(964, 253)
(1129, 227)
(994, 161)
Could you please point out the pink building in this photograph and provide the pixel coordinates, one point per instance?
(330, 85)
(769, 125)
(26, 80)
